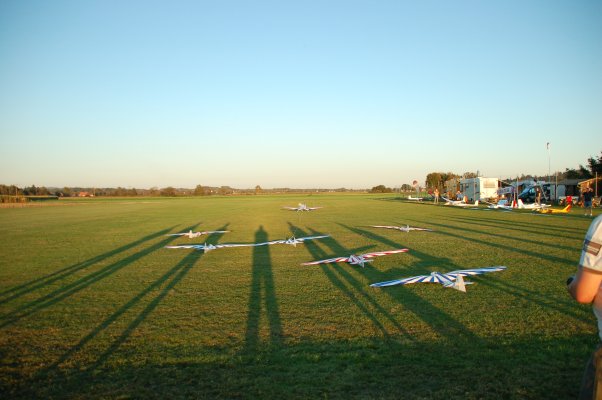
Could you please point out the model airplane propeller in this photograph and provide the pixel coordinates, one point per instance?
(357, 259)
(190, 234)
(302, 207)
(406, 228)
(294, 241)
(454, 279)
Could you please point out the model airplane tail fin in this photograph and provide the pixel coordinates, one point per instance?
(476, 203)
(568, 207)
(521, 204)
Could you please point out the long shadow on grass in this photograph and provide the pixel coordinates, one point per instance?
(520, 368)
(543, 231)
(566, 307)
(167, 282)
(28, 287)
(496, 244)
(262, 292)
(341, 278)
(70, 289)
(431, 315)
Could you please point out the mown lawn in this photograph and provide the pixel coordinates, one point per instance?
(93, 306)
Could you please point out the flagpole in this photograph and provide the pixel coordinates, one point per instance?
(549, 183)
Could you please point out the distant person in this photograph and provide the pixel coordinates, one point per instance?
(538, 195)
(588, 196)
(585, 288)
(459, 195)
(436, 195)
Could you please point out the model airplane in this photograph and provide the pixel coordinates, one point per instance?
(414, 198)
(565, 210)
(293, 240)
(498, 206)
(454, 279)
(301, 207)
(208, 247)
(357, 259)
(459, 203)
(190, 234)
(406, 228)
(532, 206)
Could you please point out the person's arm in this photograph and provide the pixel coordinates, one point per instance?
(585, 285)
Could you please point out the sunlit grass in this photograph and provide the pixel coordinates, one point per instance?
(93, 306)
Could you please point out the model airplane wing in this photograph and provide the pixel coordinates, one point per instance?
(192, 234)
(404, 281)
(383, 253)
(446, 280)
(406, 228)
(294, 240)
(207, 247)
(327, 261)
(475, 271)
(384, 226)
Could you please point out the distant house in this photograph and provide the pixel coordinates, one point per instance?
(85, 194)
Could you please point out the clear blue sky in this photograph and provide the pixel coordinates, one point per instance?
(295, 93)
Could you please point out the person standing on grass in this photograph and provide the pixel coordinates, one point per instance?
(588, 196)
(436, 194)
(585, 287)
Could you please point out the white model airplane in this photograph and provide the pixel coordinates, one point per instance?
(452, 279)
(301, 207)
(190, 234)
(293, 240)
(498, 206)
(357, 259)
(208, 247)
(406, 228)
(414, 198)
(459, 203)
(532, 206)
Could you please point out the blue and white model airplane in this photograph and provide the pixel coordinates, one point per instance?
(454, 279)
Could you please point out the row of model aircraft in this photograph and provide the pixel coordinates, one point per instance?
(452, 279)
(541, 208)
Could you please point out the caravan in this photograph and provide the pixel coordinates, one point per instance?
(479, 188)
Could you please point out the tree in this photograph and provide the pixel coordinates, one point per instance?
(381, 189)
(168, 191)
(258, 189)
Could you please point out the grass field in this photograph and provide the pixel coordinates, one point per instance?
(93, 306)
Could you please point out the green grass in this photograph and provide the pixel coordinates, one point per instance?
(93, 306)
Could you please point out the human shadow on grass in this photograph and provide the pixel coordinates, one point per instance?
(82, 283)
(166, 282)
(566, 307)
(515, 368)
(41, 282)
(344, 369)
(341, 278)
(262, 295)
(439, 320)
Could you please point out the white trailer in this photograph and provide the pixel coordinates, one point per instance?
(479, 188)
